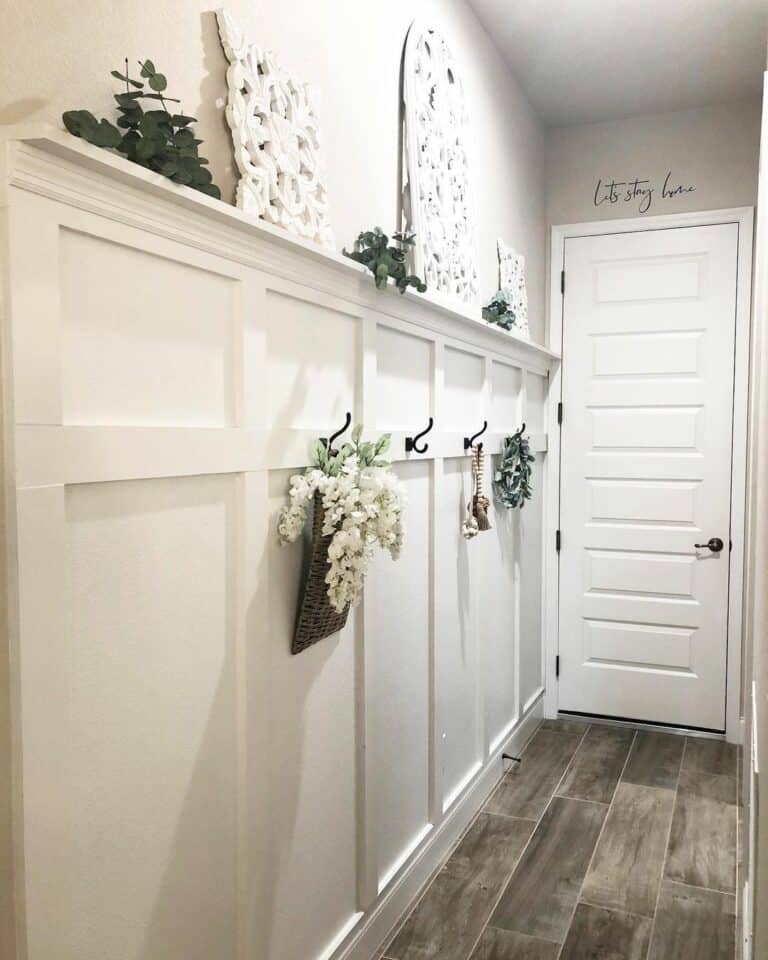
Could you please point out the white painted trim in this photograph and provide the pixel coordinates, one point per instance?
(385, 916)
(404, 857)
(746, 913)
(50, 162)
(754, 740)
(550, 523)
(744, 217)
(531, 701)
(341, 936)
(734, 726)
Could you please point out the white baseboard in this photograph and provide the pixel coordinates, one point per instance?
(746, 926)
(384, 915)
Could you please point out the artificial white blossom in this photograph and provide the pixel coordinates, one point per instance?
(362, 500)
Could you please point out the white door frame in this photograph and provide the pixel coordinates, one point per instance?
(744, 217)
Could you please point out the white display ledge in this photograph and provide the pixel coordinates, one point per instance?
(24, 146)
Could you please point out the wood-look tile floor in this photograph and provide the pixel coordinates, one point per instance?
(605, 843)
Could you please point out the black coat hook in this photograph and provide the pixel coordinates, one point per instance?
(328, 441)
(410, 442)
(468, 441)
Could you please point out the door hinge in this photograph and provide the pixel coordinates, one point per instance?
(557, 665)
(558, 540)
(562, 281)
(560, 413)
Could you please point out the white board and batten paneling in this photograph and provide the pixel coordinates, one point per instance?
(184, 788)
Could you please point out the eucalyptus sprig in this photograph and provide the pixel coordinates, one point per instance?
(499, 312)
(512, 478)
(156, 139)
(368, 454)
(372, 249)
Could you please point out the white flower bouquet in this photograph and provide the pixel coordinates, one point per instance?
(362, 505)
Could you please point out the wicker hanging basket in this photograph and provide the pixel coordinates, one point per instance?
(317, 619)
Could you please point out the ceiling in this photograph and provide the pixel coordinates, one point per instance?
(580, 61)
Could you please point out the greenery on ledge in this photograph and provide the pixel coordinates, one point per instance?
(498, 311)
(156, 139)
(373, 251)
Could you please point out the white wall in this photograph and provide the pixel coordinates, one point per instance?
(714, 149)
(57, 56)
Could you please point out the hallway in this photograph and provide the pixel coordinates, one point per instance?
(604, 842)
(384, 568)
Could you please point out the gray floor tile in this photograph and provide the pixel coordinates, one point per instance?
(542, 893)
(607, 731)
(710, 756)
(451, 914)
(655, 759)
(598, 934)
(597, 765)
(693, 924)
(702, 844)
(565, 725)
(526, 789)
(534, 915)
(498, 944)
(626, 870)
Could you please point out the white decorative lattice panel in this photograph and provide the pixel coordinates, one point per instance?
(437, 188)
(275, 133)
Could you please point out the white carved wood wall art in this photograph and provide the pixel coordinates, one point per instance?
(438, 207)
(275, 136)
(512, 285)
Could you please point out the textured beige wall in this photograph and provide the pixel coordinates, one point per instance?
(57, 54)
(715, 149)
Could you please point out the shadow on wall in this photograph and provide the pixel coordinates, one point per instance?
(213, 102)
(21, 110)
(196, 844)
(201, 841)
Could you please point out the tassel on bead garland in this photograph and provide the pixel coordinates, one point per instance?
(476, 519)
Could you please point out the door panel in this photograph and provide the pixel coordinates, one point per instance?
(648, 355)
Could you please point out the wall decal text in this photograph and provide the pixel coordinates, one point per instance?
(641, 192)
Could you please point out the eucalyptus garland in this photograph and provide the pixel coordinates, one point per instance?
(512, 479)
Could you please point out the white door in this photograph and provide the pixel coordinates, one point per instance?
(648, 370)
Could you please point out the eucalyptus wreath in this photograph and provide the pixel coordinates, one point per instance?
(512, 479)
